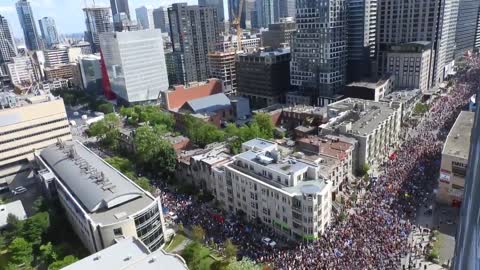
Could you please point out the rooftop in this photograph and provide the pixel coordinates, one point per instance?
(307, 187)
(15, 208)
(330, 146)
(101, 190)
(258, 144)
(371, 84)
(286, 166)
(209, 103)
(10, 100)
(402, 95)
(458, 140)
(268, 53)
(416, 46)
(129, 254)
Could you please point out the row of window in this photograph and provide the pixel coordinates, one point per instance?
(33, 134)
(35, 142)
(33, 126)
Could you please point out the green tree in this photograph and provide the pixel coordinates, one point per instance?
(154, 153)
(47, 254)
(106, 130)
(265, 124)
(67, 260)
(231, 250)
(105, 108)
(200, 132)
(20, 252)
(194, 254)
(122, 164)
(198, 233)
(35, 227)
(145, 184)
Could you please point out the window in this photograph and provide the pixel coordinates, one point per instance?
(459, 169)
(117, 232)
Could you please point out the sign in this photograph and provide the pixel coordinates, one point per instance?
(444, 176)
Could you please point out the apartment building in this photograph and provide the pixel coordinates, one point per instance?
(405, 100)
(375, 125)
(97, 20)
(410, 65)
(27, 124)
(64, 71)
(222, 66)
(287, 194)
(453, 167)
(102, 205)
(279, 34)
(20, 70)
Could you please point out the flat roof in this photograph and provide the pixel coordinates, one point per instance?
(285, 166)
(458, 140)
(402, 95)
(15, 208)
(328, 145)
(104, 192)
(128, 254)
(258, 144)
(307, 187)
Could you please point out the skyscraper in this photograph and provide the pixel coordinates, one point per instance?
(27, 21)
(97, 20)
(265, 12)
(145, 17)
(120, 12)
(446, 46)
(135, 63)
(195, 31)
(218, 4)
(286, 9)
(402, 21)
(362, 25)
(319, 49)
(468, 23)
(467, 237)
(8, 49)
(48, 30)
(160, 19)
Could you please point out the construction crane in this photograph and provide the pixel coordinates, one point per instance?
(236, 24)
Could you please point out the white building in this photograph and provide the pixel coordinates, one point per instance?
(285, 193)
(135, 63)
(145, 17)
(20, 70)
(102, 205)
(13, 208)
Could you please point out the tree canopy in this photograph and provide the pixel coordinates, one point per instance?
(67, 260)
(152, 115)
(200, 132)
(20, 251)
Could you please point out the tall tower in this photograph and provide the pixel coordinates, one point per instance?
(160, 19)
(195, 31)
(319, 49)
(218, 4)
(145, 17)
(120, 12)
(8, 49)
(27, 21)
(468, 22)
(97, 21)
(446, 44)
(48, 30)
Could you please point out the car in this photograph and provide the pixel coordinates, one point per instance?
(269, 242)
(19, 190)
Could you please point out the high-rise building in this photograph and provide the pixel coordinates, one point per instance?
(91, 73)
(286, 8)
(27, 21)
(21, 71)
(263, 77)
(362, 25)
(160, 19)
(97, 20)
(319, 49)
(279, 34)
(446, 46)
(222, 66)
(195, 31)
(218, 4)
(135, 63)
(120, 13)
(468, 23)
(49, 31)
(8, 49)
(145, 17)
(467, 237)
(265, 13)
(402, 21)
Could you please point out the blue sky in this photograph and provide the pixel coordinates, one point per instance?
(68, 14)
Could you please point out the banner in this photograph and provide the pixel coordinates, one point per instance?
(444, 176)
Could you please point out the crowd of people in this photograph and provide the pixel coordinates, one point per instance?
(374, 234)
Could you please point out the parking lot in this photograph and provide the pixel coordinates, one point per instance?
(33, 192)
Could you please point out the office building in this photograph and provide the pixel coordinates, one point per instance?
(453, 167)
(135, 63)
(56, 57)
(49, 31)
(175, 67)
(91, 73)
(319, 50)
(63, 71)
(285, 193)
(218, 4)
(410, 65)
(264, 77)
(8, 48)
(21, 71)
(279, 34)
(195, 31)
(403, 22)
(27, 22)
(84, 46)
(222, 66)
(467, 237)
(120, 13)
(129, 254)
(446, 48)
(265, 13)
(29, 123)
(468, 23)
(160, 19)
(102, 205)
(284, 9)
(362, 26)
(98, 20)
(248, 42)
(370, 89)
(375, 125)
(145, 17)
